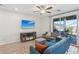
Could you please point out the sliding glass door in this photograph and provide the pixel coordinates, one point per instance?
(57, 24)
(66, 24)
(72, 26)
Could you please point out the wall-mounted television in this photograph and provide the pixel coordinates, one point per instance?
(28, 24)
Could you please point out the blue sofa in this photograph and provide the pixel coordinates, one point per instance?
(58, 48)
(74, 41)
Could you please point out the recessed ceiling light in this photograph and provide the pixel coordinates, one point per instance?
(16, 9)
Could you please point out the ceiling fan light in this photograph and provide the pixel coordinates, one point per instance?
(43, 11)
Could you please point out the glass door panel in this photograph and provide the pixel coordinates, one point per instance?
(72, 25)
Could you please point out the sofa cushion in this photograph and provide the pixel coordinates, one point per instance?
(59, 48)
(50, 43)
(40, 47)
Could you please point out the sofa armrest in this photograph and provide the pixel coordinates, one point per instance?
(33, 50)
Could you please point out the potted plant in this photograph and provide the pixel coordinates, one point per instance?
(69, 30)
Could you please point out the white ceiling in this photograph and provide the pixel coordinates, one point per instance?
(29, 8)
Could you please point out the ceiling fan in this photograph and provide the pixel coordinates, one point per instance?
(44, 9)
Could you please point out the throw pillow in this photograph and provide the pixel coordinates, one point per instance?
(40, 47)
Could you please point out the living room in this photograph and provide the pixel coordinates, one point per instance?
(14, 16)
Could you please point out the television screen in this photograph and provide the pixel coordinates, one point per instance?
(28, 24)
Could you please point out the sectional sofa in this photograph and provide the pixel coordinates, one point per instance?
(60, 47)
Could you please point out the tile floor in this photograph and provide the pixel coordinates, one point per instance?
(23, 48)
(16, 48)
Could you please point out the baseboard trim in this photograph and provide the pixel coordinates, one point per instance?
(4, 43)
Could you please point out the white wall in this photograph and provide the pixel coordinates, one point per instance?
(44, 24)
(67, 14)
(10, 26)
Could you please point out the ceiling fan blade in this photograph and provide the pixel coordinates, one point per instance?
(35, 11)
(48, 8)
(48, 12)
(38, 7)
(43, 7)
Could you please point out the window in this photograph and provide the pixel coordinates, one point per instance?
(64, 23)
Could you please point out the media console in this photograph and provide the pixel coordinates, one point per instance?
(27, 36)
